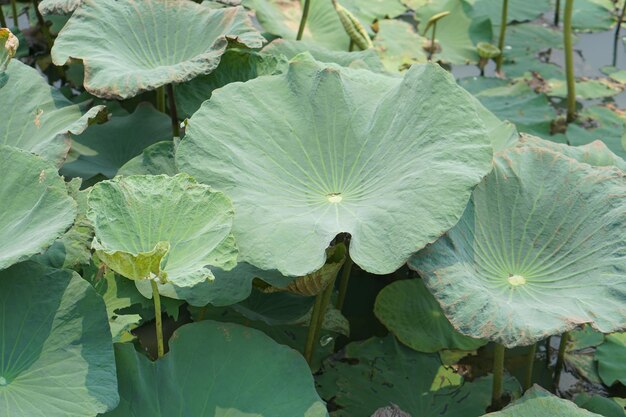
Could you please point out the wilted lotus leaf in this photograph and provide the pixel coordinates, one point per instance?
(58, 7)
(324, 149)
(57, 356)
(411, 313)
(541, 227)
(169, 227)
(610, 356)
(128, 47)
(538, 402)
(217, 370)
(8, 48)
(38, 118)
(35, 208)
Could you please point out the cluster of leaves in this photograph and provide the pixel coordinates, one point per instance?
(197, 155)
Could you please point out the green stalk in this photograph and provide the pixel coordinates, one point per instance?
(351, 46)
(160, 99)
(530, 363)
(503, 20)
(557, 12)
(159, 322)
(173, 112)
(3, 21)
(560, 358)
(343, 281)
(569, 60)
(317, 320)
(498, 376)
(45, 29)
(617, 30)
(305, 14)
(431, 50)
(14, 11)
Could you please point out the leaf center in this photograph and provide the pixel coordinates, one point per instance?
(334, 197)
(516, 280)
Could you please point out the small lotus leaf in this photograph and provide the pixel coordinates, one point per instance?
(124, 51)
(57, 355)
(170, 227)
(413, 315)
(216, 370)
(324, 149)
(541, 227)
(611, 357)
(35, 208)
(537, 402)
(38, 118)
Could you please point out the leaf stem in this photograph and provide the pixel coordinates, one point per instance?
(343, 281)
(3, 21)
(432, 48)
(617, 30)
(305, 15)
(498, 376)
(569, 60)
(14, 12)
(530, 364)
(160, 99)
(317, 320)
(557, 12)
(159, 322)
(171, 100)
(45, 29)
(503, 21)
(560, 360)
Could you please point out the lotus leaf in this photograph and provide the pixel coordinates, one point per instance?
(377, 372)
(103, 149)
(58, 7)
(593, 15)
(517, 11)
(216, 370)
(610, 356)
(606, 407)
(585, 89)
(537, 402)
(599, 123)
(38, 118)
(411, 313)
(579, 353)
(156, 159)
(540, 227)
(57, 355)
(324, 149)
(134, 56)
(8, 49)
(169, 227)
(30, 221)
(616, 74)
(399, 45)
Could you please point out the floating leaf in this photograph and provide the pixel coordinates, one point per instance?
(411, 313)
(57, 356)
(516, 12)
(170, 227)
(399, 45)
(124, 51)
(599, 123)
(38, 118)
(593, 15)
(606, 407)
(156, 159)
(205, 366)
(610, 356)
(540, 227)
(34, 205)
(324, 149)
(585, 89)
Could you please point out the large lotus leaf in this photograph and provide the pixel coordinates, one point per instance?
(57, 356)
(8, 48)
(599, 123)
(399, 45)
(227, 287)
(611, 356)
(103, 149)
(593, 15)
(58, 7)
(155, 159)
(527, 39)
(133, 55)
(585, 89)
(537, 402)
(368, 11)
(541, 227)
(35, 208)
(324, 149)
(456, 33)
(367, 59)
(607, 407)
(413, 315)
(38, 118)
(518, 11)
(216, 370)
(379, 372)
(171, 227)
(236, 65)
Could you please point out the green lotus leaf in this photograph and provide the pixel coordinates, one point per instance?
(516, 12)
(103, 149)
(527, 39)
(399, 45)
(217, 370)
(276, 308)
(615, 74)
(169, 227)
(593, 15)
(599, 123)
(124, 51)
(157, 158)
(610, 356)
(367, 59)
(34, 203)
(8, 48)
(58, 7)
(37, 117)
(411, 313)
(324, 149)
(371, 10)
(57, 355)
(606, 407)
(540, 227)
(538, 402)
(579, 353)
(235, 65)
(379, 372)
(585, 89)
